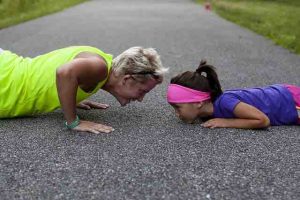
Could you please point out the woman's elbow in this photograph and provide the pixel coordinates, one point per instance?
(64, 74)
(60, 72)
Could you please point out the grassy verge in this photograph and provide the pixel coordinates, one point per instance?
(278, 20)
(16, 11)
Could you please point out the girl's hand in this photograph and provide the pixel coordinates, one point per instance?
(87, 105)
(92, 127)
(215, 123)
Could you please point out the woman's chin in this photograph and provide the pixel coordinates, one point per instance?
(124, 103)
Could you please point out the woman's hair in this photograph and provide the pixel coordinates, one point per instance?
(141, 63)
(204, 79)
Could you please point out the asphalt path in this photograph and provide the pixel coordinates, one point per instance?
(151, 154)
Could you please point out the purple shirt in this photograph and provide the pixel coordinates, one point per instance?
(275, 101)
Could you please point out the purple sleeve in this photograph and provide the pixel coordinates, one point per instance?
(225, 105)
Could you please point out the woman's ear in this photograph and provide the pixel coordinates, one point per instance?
(125, 79)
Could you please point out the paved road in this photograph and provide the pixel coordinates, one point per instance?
(151, 155)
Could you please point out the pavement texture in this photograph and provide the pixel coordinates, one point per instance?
(151, 154)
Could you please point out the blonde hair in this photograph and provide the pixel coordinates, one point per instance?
(144, 63)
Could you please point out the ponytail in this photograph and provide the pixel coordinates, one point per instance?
(211, 77)
(204, 79)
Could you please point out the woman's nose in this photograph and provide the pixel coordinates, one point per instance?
(140, 99)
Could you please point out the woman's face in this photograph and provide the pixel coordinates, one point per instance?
(187, 112)
(132, 90)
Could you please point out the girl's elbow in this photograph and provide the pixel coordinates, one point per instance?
(264, 122)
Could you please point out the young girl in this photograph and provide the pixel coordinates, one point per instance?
(199, 95)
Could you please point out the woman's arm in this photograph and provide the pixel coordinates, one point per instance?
(247, 117)
(80, 72)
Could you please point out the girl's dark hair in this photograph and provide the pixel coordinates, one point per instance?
(207, 82)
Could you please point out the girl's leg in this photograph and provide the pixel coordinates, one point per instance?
(295, 90)
(1, 50)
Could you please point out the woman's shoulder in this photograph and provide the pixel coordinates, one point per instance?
(94, 51)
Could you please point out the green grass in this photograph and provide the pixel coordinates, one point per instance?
(278, 20)
(17, 11)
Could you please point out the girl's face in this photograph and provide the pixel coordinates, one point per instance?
(187, 112)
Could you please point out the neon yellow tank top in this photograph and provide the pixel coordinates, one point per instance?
(28, 85)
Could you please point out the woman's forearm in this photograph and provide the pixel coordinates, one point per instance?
(67, 89)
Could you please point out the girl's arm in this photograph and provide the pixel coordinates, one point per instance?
(247, 117)
(83, 72)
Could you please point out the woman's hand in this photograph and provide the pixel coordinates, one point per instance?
(92, 127)
(87, 105)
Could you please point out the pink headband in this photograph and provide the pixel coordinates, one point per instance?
(180, 94)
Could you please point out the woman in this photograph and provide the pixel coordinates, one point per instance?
(66, 77)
